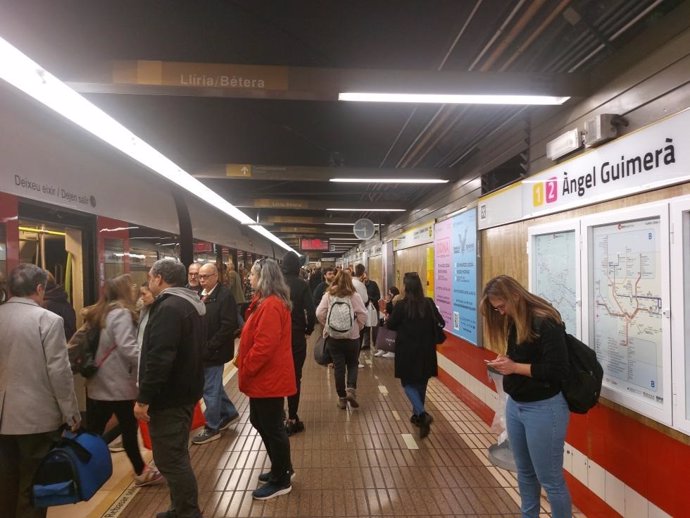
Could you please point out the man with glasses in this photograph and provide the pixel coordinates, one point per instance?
(221, 324)
(193, 277)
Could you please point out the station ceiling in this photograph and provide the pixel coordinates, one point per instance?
(244, 93)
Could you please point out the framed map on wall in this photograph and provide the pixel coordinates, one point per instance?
(554, 269)
(626, 256)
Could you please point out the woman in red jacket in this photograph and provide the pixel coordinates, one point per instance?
(266, 371)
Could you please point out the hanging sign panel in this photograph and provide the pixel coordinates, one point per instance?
(647, 159)
(464, 243)
(455, 247)
(443, 273)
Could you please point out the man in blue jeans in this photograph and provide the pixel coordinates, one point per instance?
(221, 324)
(171, 381)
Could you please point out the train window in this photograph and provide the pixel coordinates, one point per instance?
(141, 258)
(114, 257)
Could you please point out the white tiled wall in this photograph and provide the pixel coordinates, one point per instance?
(623, 499)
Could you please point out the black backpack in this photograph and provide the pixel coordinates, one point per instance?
(582, 387)
(82, 349)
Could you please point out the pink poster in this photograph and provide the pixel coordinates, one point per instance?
(443, 271)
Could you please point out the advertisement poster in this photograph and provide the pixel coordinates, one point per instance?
(464, 276)
(443, 276)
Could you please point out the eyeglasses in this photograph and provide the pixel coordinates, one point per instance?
(207, 276)
(191, 274)
(500, 308)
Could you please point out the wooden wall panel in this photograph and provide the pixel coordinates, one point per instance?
(411, 260)
(375, 270)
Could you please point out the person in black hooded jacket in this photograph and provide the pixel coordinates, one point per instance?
(303, 321)
(55, 301)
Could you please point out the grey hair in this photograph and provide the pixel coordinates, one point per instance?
(171, 271)
(25, 278)
(271, 281)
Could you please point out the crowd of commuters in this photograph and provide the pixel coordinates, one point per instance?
(162, 347)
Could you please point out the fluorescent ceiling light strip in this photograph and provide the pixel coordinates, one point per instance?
(349, 224)
(29, 77)
(380, 97)
(366, 210)
(388, 180)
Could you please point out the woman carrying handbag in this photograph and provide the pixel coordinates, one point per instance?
(415, 318)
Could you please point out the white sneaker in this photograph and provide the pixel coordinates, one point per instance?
(360, 366)
(388, 355)
(379, 352)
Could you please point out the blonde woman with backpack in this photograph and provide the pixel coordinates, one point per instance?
(342, 334)
(113, 389)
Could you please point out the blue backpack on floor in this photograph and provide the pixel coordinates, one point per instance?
(77, 466)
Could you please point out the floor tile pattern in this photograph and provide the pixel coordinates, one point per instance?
(354, 463)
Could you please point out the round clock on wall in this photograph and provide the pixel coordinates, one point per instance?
(364, 228)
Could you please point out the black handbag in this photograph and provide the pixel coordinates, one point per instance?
(321, 354)
(439, 334)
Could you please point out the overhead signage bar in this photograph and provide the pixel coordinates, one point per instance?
(315, 84)
(650, 158)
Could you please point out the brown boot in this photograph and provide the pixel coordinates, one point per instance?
(351, 393)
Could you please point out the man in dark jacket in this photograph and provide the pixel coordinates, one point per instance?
(171, 380)
(303, 320)
(55, 300)
(328, 276)
(221, 324)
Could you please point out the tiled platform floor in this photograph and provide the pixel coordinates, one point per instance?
(354, 463)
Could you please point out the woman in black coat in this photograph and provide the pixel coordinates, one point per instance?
(415, 347)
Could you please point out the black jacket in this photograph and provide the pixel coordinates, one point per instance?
(221, 324)
(415, 342)
(318, 292)
(374, 294)
(55, 300)
(303, 310)
(548, 355)
(170, 370)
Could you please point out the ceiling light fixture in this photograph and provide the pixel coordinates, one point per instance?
(29, 77)
(365, 210)
(388, 180)
(350, 224)
(379, 97)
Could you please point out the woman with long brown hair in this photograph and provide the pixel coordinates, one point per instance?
(533, 368)
(343, 350)
(113, 389)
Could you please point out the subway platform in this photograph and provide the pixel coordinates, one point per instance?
(351, 463)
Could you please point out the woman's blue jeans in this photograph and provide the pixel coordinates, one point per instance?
(416, 393)
(536, 431)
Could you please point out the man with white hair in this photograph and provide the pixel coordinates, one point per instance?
(36, 388)
(171, 381)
